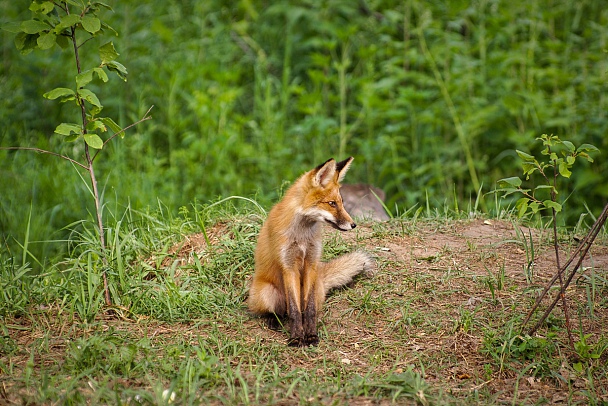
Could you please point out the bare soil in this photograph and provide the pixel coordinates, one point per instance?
(429, 306)
(441, 271)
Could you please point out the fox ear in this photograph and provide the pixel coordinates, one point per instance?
(342, 167)
(324, 173)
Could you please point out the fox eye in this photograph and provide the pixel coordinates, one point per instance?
(332, 203)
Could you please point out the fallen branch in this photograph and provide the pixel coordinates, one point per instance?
(581, 253)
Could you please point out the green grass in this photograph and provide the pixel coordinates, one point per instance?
(438, 323)
(432, 99)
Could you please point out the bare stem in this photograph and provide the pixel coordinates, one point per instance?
(44, 151)
(91, 170)
(144, 118)
(562, 290)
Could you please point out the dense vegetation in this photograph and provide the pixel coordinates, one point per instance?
(432, 98)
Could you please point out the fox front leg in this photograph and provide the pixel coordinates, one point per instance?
(311, 292)
(296, 329)
(291, 280)
(309, 321)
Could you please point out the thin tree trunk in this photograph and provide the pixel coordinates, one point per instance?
(91, 170)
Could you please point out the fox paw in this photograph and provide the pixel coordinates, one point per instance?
(296, 342)
(303, 342)
(274, 322)
(311, 340)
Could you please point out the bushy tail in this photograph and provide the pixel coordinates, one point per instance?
(342, 270)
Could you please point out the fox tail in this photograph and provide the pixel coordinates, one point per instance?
(341, 270)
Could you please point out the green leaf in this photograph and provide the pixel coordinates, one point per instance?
(534, 206)
(67, 21)
(513, 181)
(569, 145)
(95, 125)
(84, 78)
(507, 191)
(102, 4)
(522, 206)
(107, 27)
(529, 169)
(26, 43)
(12, 26)
(101, 74)
(93, 140)
(588, 148)
(570, 160)
(34, 26)
(524, 156)
(553, 205)
(63, 41)
(539, 187)
(107, 52)
(89, 96)
(20, 40)
(68, 128)
(113, 126)
(44, 7)
(586, 156)
(563, 169)
(120, 70)
(47, 40)
(58, 92)
(91, 24)
(549, 140)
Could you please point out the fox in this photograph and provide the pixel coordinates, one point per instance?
(290, 281)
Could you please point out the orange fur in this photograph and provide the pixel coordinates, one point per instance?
(289, 278)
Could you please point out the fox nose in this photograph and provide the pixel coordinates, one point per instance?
(353, 225)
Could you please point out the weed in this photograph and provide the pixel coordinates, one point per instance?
(528, 244)
(406, 384)
(464, 323)
(509, 345)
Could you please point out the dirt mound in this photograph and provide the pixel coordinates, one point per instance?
(444, 299)
(446, 303)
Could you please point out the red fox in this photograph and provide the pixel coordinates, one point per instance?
(289, 277)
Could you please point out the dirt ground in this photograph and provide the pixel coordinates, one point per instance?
(441, 270)
(472, 251)
(442, 290)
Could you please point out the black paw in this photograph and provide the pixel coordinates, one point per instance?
(311, 340)
(296, 342)
(274, 322)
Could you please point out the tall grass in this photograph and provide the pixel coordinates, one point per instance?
(431, 98)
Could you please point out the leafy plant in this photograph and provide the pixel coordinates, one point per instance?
(550, 169)
(560, 158)
(587, 351)
(64, 23)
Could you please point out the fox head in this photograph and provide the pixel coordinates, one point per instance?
(323, 201)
